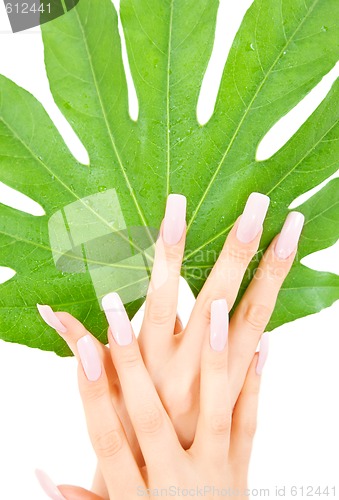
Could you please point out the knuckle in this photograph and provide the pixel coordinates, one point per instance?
(160, 313)
(148, 419)
(239, 254)
(107, 445)
(216, 362)
(174, 255)
(257, 316)
(249, 429)
(220, 424)
(94, 391)
(272, 270)
(129, 358)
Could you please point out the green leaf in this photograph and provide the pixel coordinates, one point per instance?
(100, 219)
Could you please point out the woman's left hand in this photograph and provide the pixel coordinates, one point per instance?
(219, 456)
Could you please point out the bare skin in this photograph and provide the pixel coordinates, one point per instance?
(186, 380)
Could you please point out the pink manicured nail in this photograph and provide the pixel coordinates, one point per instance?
(48, 486)
(289, 236)
(117, 318)
(90, 358)
(175, 218)
(219, 324)
(252, 217)
(49, 317)
(263, 353)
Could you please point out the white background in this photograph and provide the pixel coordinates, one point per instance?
(41, 419)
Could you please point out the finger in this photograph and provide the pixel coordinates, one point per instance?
(48, 486)
(154, 430)
(71, 330)
(162, 297)
(98, 484)
(257, 304)
(77, 493)
(119, 469)
(244, 420)
(63, 492)
(214, 423)
(227, 274)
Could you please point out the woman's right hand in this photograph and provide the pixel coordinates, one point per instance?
(173, 360)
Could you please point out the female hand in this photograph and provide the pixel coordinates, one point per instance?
(174, 360)
(218, 458)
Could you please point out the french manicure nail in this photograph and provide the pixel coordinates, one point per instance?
(90, 358)
(175, 219)
(219, 324)
(49, 317)
(48, 486)
(289, 236)
(117, 319)
(263, 353)
(252, 217)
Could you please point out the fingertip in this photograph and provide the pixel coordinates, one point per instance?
(174, 224)
(118, 320)
(50, 318)
(251, 375)
(263, 353)
(48, 486)
(89, 357)
(219, 324)
(253, 216)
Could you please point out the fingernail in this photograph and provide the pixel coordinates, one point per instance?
(117, 319)
(219, 324)
(252, 217)
(289, 236)
(90, 358)
(175, 218)
(49, 317)
(48, 486)
(263, 353)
